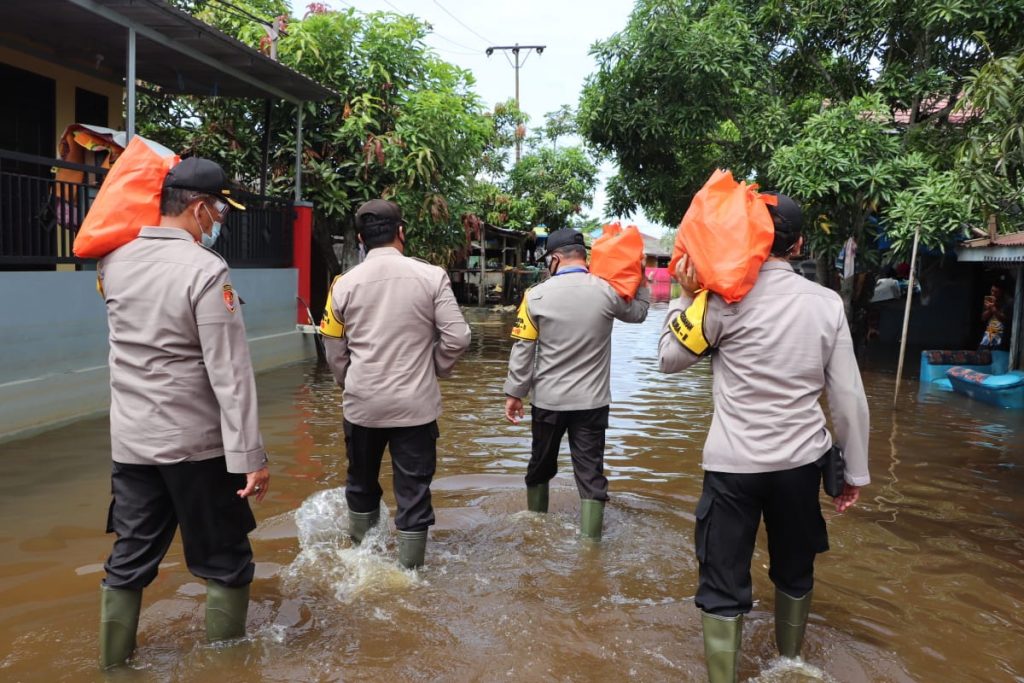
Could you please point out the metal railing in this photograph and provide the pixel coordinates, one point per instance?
(41, 214)
(260, 236)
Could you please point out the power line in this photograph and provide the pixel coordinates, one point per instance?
(515, 50)
(462, 23)
(244, 12)
(444, 38)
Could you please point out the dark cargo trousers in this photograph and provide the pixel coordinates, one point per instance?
(728, 515)
(413, 460)
(151, 501)
(586, 447)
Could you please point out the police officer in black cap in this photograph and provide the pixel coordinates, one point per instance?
(562, 355)
(773, 354)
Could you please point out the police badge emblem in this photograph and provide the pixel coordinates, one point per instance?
(229, 298)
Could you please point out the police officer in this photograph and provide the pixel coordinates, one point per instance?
(562, 354)
(773, 354)
(391, 327)
(184, 428)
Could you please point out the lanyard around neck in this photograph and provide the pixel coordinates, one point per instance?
(571, 269)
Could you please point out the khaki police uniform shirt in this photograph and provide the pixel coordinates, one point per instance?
(181, 379)
(773, 354)
(392, 327)
(563, 345)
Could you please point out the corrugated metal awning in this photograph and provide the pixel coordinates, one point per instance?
(175, 51)
(997, 249)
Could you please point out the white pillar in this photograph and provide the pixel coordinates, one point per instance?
(129, 84)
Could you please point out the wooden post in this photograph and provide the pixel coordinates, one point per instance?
(906, 316)
(1016, 329)
(483, 266)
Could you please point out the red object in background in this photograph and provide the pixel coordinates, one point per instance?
(302, 251)
(728, 233)
(616, 258)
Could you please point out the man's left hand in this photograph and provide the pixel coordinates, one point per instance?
(256, 484)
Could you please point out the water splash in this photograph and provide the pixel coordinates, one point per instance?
(329, 562)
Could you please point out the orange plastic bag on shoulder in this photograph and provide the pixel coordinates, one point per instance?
(728, 233)
(616, 256)
(128, 199)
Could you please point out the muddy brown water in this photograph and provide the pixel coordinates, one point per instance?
(924, 582)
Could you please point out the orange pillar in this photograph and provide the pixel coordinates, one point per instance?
(302, 253)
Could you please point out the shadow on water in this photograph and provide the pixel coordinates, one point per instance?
(923, 582)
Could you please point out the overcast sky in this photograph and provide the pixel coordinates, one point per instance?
(463, 29)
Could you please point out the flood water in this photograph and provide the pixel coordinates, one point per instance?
(924, 582)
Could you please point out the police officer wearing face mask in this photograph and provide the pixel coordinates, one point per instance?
(185, 440)
(562, 355)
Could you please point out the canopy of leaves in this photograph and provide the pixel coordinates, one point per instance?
(687, 87)
(405, 126)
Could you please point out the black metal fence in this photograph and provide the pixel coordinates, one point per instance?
(39, 214)
(43, 202)
(260, 236)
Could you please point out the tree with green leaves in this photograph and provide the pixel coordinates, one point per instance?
(405, 125)
(687, 87)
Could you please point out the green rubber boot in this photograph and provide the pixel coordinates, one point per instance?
(119, 620)
(537, 498)
(790, 622)
(591, 518)
(722, 637)
(412, 548)
(226, 609)
(361, 522)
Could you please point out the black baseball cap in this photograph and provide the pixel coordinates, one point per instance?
(786, 215)
(378, 212)
(564, 237)
(201, 175)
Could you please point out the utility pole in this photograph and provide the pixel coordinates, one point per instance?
(515, 50)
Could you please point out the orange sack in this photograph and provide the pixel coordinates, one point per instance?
(615, 257)
(128, 199)
(728, 233)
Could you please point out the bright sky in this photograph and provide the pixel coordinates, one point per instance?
(463, 29)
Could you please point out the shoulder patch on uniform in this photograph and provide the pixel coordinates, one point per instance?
(525, 328)
(688, 326)
(229, 298)
(330, 326)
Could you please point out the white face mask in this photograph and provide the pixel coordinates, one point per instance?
(208, 240)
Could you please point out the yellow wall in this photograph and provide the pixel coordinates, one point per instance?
(67, 80)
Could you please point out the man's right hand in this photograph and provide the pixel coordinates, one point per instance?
(513, 409)
(845, 500)
(686, 276)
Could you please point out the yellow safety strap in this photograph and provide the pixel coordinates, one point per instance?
(330, 326)
(688, 326)
(525, 328)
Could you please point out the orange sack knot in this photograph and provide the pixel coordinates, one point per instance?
(616, 257)
(728, 233)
